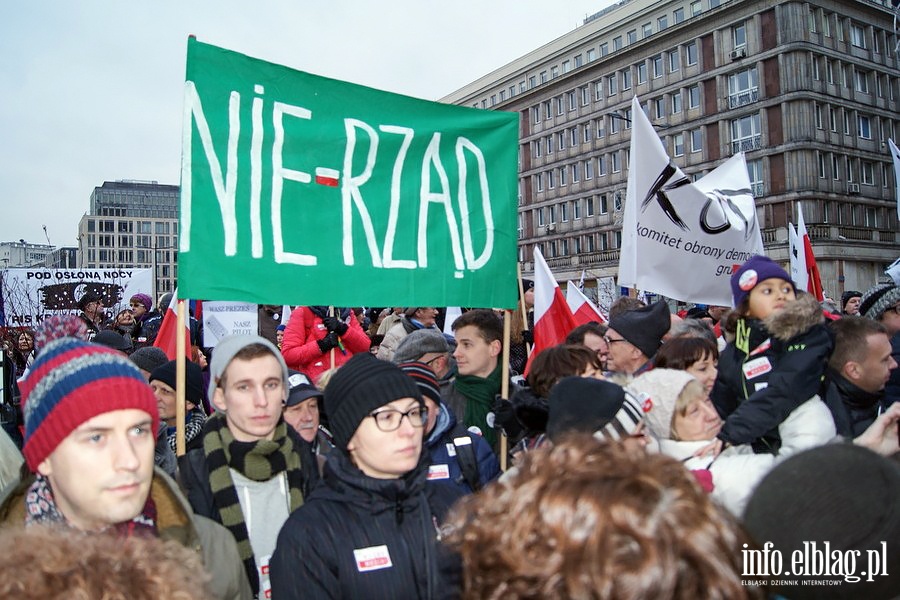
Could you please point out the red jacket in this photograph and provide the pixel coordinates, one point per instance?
(301, 352)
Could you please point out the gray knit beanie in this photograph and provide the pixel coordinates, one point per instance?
(878, 299)
(231, 345)
(659, 389)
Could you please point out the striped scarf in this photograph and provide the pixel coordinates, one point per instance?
(260, 461)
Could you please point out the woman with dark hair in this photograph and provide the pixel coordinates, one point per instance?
(23, 352)
(590, 519)
(699, 356)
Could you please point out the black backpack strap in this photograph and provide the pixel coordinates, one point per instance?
(465, 456)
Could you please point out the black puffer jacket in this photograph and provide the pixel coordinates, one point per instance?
(361, 537)
(771, 368)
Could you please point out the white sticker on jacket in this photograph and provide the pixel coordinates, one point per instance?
(438, 472)
(451, 449)
(372, 558)
(756, 367)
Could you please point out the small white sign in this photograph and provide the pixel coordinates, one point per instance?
(372, 558)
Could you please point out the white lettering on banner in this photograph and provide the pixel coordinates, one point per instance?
(353, 176)
(372, 558)
(757, 367)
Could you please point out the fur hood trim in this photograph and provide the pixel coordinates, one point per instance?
(796, 318)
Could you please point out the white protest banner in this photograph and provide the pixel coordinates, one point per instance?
(681, 239)
(221, 319)
(31, 295)
(798, 258)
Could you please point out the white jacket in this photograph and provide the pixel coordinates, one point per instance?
(738, 470)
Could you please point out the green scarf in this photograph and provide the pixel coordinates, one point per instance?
(260, 461)
(480, 393)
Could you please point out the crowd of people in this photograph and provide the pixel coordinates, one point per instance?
(352, 453)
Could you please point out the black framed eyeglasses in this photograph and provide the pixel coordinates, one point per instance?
(609, 340)
(390, 419)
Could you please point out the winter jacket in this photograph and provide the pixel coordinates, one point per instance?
(305, 328)
(174, 521)
(361, 537)
(446, 453)
(892, 389)
(737, 470)
(402, 328)
(853, 408)
(771, 368)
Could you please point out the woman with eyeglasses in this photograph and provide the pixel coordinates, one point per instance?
(371, 527)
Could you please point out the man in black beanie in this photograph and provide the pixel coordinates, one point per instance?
(634, 337)
(162, 380)
(370, 529)
(850, 303)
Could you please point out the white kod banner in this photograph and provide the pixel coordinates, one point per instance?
(30, 295)
(681, 239)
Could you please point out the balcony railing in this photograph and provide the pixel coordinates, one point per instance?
(757, 189)
(743, 98)
(746, 144)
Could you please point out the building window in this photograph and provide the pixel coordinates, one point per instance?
(739, 35)
(857, 35)
(647, 30)
(613, 124)
(563, 176)
(864, 127)
(548, 110)
(678, 15)
(657, 66)
(561, 139)
(626, 79)
(571, 100)
(662, 22)
(589, 169)
(550, 144)
(541, 219)
(817, 109)
(585, 95)
(862, 82)
(674, 61)
(564, 212)
(586, 133)
(822, 165)
(576, 209)
(598, 91)
(815, 67)
(617, 43)
(694, 96)
(536, 149)
(835, 167)
(554, 72)
(543, 77)
(591, 55)
(743, 87)
(559, 105)
(632, 36)
(676, 103)
(829, 71)
(754, 172)
(745, 133)
(531, 82)
(627, 118)
(536, 114)
(846, 122)
(696, 140)
(696, 8)
(832, 118)
(616, 161)
(612, 85)
(578, 61)
(678, 144)
(573, 137)
(604, 206)
(551, 179)
(589, 206)
(641, 73)
(566, 66)
(826, 25)
(691, 54)
(867, 173)
(601, 165)
(576, 174)
(659, 107)
(604, 48)
(618, 201)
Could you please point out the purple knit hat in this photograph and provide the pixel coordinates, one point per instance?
(144, 299)
(752, 273)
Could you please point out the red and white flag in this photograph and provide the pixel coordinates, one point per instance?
(166, 339)
(814, 285)
(552, 318)
(582, 308)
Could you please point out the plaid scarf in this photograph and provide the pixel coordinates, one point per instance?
(193, 427)
(260, 461)
(41, 509)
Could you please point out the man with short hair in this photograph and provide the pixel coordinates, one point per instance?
(163, 382)
(859, 367)
(432, 348)
(302, 411)
(91, 307)
(479, 335)
(634, 336)
(882, 303)
(850, 303)
(90, 419)
(253, 469)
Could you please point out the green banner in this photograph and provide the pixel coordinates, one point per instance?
(298, 189)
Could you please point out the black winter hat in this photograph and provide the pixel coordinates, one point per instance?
(361, 385)
(148, 358)
(840, 494)
(193, 379)
(644, 327)
(111, 339)
(846, 296)
(593, 406)
(87, 298)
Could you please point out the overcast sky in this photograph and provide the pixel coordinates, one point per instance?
(91, 91)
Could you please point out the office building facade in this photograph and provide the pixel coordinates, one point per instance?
(132, 224)
(810, 91)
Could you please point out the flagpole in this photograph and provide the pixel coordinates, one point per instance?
(331, 352)
(504, 381)
(522, 305)
(179, 381)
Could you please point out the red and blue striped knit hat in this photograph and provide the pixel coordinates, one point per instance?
(72, 381)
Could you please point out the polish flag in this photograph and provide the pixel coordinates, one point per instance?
(814, 286)
(552, 318)
(583, 309)
(165, 339)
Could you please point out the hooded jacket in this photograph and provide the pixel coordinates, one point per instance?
(770, 369)
(174, 521)
(444, 454)
(360, 537)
